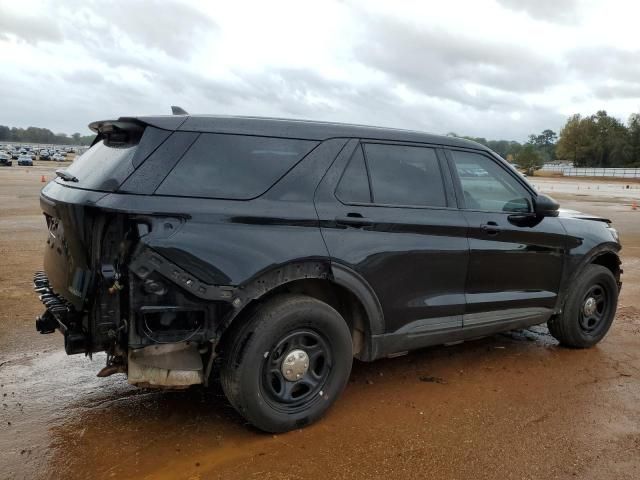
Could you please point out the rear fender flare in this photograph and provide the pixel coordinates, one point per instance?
(338, 274)
(266, 282)
(356, 284)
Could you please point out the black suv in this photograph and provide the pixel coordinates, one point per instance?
(275, 251)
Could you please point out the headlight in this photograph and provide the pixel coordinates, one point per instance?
(614, 234)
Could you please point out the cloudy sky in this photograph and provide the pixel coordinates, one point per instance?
(491, 68)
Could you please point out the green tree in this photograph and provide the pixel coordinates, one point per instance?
(545, 144)
(595, 141)
(504, 148)
(576, 141)
(42, 135)
(611, 147)
(529, 159)
(634, 139)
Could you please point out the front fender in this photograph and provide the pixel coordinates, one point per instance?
(578, 264)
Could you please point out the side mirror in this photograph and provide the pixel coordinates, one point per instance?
(545, 206)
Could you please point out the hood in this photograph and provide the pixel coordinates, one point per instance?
(565, 213)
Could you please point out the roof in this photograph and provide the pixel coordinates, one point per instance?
(290, 128)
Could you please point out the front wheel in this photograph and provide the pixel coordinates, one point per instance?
(589, 309)
(286, 364)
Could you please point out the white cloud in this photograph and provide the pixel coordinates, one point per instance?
(491, 68)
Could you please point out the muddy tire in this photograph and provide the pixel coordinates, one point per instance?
(589, 309)
(286, 364)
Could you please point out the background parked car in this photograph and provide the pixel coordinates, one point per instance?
(25, 161)
(58, 158)
(5, 160)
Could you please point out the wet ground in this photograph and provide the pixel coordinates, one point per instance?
(621, 190)
(509, 406)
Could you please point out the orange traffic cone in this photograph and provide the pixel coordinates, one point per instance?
(634, 205)
(42, 179)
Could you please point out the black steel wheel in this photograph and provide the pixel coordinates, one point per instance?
(589, 309)
(595, 308)
(296, 370)
(287, 362)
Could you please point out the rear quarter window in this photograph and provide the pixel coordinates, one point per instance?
(102, 167)
(354, 184)
(107, 164)
(237, 167)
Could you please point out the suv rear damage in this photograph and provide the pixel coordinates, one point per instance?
(104, 288)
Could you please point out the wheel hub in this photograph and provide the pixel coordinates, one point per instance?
(295, 365)
(589, 307)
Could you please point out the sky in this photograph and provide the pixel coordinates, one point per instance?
(499, 69)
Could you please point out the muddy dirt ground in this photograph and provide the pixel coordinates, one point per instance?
(511, 406)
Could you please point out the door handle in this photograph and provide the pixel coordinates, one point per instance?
(354, 220)
(491, 228)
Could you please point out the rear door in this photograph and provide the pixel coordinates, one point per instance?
(387, 211)
(516, 260)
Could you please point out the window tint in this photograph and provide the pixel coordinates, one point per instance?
(354, 185)
(487, 186)
(102, 167)
(233, 166)
(402, 175)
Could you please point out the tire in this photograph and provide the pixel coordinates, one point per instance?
(576, 327)
(252, 373)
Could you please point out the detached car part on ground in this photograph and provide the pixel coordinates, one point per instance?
(277, 251)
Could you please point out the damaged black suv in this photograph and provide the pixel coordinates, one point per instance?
(275, 251)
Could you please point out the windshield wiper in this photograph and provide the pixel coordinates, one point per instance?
(66, 176)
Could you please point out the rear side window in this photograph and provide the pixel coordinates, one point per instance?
(354, 184)
(404, 175)
(237, 167)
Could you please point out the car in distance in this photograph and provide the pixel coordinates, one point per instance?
(279, 250)
(24, 160)
(5, 160)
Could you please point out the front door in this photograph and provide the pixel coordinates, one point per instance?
(388, 212)
(516, 260)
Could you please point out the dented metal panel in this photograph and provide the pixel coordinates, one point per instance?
(170, 365)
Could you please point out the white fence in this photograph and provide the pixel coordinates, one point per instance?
(593, 171)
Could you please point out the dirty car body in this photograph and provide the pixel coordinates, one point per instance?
(172, 230)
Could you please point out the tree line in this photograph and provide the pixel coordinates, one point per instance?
(42, 135)
(597, 140)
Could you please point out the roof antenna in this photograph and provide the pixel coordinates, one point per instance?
(175, 110)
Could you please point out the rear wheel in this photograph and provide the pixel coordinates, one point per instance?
(589, 309)
(286, 364)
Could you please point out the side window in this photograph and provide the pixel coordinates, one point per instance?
(236, 167)
(354, 184)
(487, 186)
(403, 175)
